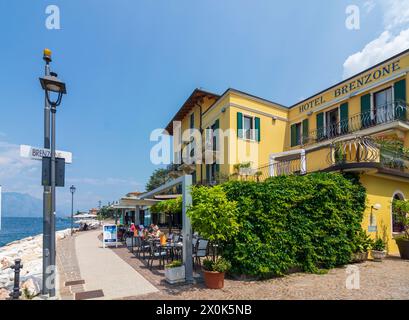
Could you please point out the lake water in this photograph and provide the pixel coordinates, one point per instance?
(18, 228)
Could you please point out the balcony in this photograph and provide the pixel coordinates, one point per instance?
(366, 153)
(388, 114)
(358, 153)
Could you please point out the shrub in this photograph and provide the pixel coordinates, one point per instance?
(286, 222)
(379, 245)
(212, 214)
(174, 264)
(220, 265)
(362, 242)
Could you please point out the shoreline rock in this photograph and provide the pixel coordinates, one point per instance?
(30, 251)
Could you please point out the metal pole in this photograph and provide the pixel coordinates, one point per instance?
(72, 212)
(46, 191)
(52, 220)
(187, 228)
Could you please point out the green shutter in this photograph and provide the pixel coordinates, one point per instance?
(305, 131)
(366, 111)
(257, 127)
(400, 99)
(344, 118)
(293, 136)
(208, 175)
(320, 125)
(239, 125)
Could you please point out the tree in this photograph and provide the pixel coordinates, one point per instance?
(160, 177)
(169, 207)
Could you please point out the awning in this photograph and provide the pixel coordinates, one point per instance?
(132, 202)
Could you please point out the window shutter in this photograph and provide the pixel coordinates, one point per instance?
(400, 99)
(366, 110)
(239, 125)
(257, 127)
(344, 118)
(216, 137)
(293, 136)
(320, 125)
(305, 131)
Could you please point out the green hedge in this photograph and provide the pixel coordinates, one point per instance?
(287, 222)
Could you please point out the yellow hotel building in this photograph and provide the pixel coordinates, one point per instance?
(350, 126)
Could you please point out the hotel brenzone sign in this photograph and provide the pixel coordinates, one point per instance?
(35, 153)
(353, 85)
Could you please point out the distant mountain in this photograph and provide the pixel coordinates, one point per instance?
(16, 204)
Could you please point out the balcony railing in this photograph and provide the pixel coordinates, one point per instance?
(388, 113)
(364, 150)
(279, 168)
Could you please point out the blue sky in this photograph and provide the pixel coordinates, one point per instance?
(129, 65)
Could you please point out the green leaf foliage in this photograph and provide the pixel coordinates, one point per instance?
(212, 214)
(309, 222)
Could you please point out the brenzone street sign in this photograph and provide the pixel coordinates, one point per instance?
(40, 153)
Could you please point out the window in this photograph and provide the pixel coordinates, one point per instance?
(383, 106)
(192, 120)
(248, 128)
(332, 122)
(296, 134)
(397, 226)
(215, 127)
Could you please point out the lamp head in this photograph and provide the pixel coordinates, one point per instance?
(376, 206)
(53, 84)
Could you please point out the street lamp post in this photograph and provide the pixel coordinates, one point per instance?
(54, 89)
(72, 190)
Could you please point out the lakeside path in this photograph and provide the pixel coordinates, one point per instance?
(101, 269)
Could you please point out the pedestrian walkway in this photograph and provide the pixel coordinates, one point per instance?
(102, 270)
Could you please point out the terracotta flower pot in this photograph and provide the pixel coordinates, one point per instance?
(214, 280)
(403, 245)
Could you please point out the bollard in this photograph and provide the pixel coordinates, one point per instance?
(16, 289)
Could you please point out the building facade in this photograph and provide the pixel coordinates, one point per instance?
(358, 125)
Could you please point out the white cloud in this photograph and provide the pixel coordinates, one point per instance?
(396, 13)
(383, 47)
(394, 39)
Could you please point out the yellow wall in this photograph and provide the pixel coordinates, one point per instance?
(381, 190)
(329, 99)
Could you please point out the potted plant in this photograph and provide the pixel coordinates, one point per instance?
(214, 272)
(361, 246)
(378, 250)
(400, 211)
(175, 272)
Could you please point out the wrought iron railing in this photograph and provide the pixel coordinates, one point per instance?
(279, 168)
(366, 149)
(391, 112)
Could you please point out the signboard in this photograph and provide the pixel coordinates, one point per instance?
(59, 172)
(372, 229)
(39, 153)
(110, 235)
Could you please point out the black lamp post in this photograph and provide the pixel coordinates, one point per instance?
(72, 190)
(54, 89)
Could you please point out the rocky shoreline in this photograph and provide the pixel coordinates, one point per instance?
(30, 251)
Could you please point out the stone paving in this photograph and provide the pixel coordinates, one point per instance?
(385, 280)
(68, 270)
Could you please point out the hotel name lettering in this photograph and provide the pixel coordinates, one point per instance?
(354, 84)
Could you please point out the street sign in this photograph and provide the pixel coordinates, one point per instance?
(35, 153)
(59, 172)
